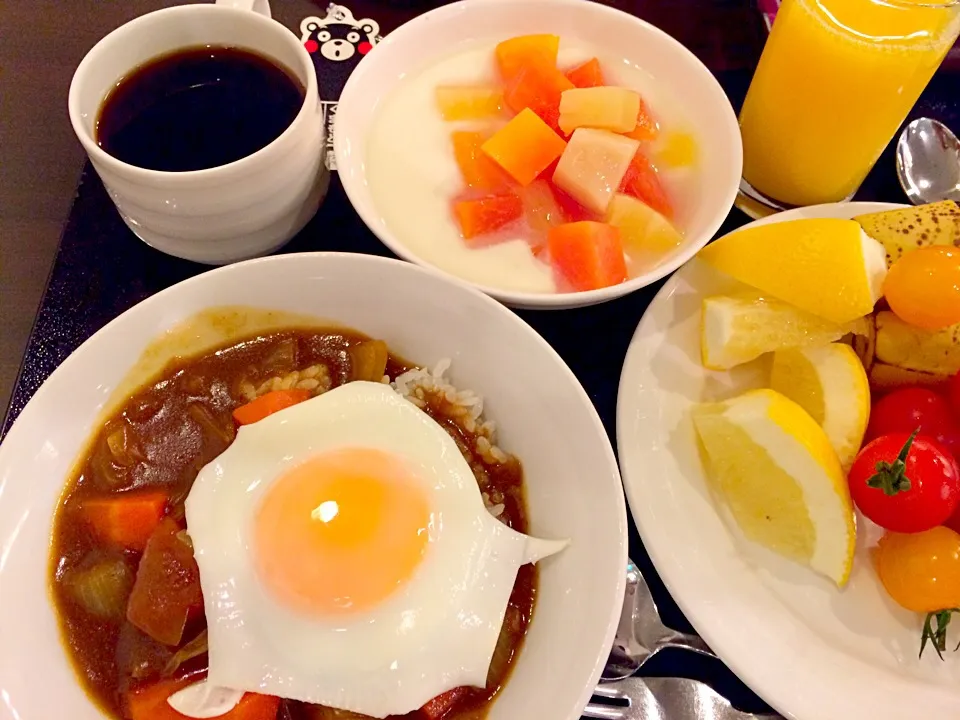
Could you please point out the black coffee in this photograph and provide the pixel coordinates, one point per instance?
(198, 108)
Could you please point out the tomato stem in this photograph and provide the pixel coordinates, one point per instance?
(937, 636)
(891, 477)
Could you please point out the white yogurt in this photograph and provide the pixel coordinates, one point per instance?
(413, 175)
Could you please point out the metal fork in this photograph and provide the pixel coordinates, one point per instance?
(664, 699)
(641, 633)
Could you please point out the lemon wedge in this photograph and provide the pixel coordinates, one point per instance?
(831, 385)
(735, 329)
(777, 471)
(826, 266)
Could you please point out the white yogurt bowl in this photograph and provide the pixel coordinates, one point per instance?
(625, 40)
(543, 414)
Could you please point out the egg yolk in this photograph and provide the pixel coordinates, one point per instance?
(341, 532)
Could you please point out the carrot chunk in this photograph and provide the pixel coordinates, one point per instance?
(268, 404)
(479, 171)
(150, 703)
(442, 705)
(524, 147)
(516, 52)
(127, 520)
(643, 182)
(480, 216)
(587, 75)
(166, 592)
(647, 128)
(537, 85)
(588, 255)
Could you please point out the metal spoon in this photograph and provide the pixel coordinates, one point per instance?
(664, 699)
(641, 633)
(928, 162)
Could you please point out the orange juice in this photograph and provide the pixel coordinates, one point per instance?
(836, 79)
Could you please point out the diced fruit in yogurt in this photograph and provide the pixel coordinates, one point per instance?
(587, 255)
(593, 166)
(540, 207)
(647, 128)
(479, 171)
(516, 52)
(587, 75)
(538, 85)
(480, 216)
(606, 108)
(468, 102)
(642, 181)
(646, 234)
(524, 147)
(677, 149)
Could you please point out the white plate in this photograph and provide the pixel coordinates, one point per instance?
(542, 412)
(810, 650)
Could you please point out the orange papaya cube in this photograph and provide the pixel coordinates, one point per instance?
(588, 255)
(647, 128)
(514, 53)
(479, 171)
(642, 181)
(540, 208)
(586, 75)
(538, 86)
(468, 102)
(593, 165)
(479, 216)
(524, 147)
(606, 108)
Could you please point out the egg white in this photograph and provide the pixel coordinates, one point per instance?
(436, 632)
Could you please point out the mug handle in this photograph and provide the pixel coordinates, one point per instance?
(261, 7)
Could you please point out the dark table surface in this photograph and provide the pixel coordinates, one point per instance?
(101, 269)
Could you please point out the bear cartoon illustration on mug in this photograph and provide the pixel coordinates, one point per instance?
(337, 43)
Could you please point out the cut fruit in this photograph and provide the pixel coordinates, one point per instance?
(587, 75)
(588, 255)
(592, 167)
(676, 150)
(830, 383)
(826, 266)
(478, 170)
(524, 147)
(516, 52)
(480, 216)
(735, 329)
(647, 128)
(775, 469)
(468, 102)
(537, 85)
(647, 236)
(901, 231)
(642, 181)
(541, 209)
(911, 348)
(605, 108)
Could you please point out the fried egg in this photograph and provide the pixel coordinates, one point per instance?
(347, 559)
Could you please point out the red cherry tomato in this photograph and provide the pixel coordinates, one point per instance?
(905, 483)
(909, 409)
(953, 389)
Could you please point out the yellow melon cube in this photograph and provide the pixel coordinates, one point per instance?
(468, 102)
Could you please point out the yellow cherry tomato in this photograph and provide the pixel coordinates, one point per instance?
(921, 571)
(923, 287)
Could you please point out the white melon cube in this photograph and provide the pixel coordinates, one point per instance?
(605, 108)
(593, 165)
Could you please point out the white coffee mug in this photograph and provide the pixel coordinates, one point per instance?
(223, 214)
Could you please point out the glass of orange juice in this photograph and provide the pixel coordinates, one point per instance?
(835, 81)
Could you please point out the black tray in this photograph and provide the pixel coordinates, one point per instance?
(102, 269)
